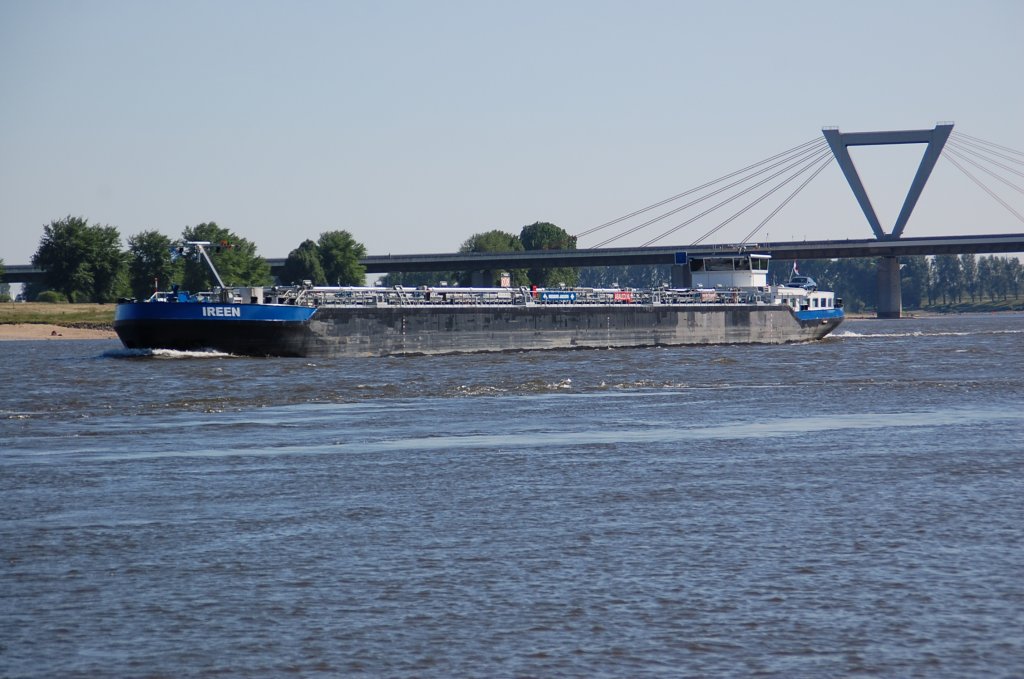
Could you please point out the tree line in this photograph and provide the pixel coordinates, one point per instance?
(924, 281)
(536, 236)
(85, 262)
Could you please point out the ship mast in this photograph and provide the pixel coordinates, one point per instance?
(198, 246)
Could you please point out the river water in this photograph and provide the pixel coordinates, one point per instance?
(851, 507)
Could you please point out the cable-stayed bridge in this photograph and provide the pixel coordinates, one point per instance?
(784, 175)
(739, 195)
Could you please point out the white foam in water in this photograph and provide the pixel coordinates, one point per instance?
(917, 333)
(164, 353)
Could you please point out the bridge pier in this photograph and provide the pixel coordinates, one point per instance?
(890, 295)
(889, 298)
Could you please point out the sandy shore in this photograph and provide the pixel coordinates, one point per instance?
(38, 331)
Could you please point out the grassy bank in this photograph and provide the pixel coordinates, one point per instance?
(99, 316)
(1008, 304)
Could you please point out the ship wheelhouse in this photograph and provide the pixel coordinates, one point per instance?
(729, 271)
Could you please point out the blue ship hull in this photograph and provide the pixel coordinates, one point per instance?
(823, 315)
(246, 329)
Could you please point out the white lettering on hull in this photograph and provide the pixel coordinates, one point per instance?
(223, 311)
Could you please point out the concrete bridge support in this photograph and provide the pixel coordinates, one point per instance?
(890, 295)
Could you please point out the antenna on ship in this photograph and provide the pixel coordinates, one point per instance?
(192, 247)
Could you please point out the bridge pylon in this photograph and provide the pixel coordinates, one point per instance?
(889, 301)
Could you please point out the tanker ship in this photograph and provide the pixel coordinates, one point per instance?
(729, 301)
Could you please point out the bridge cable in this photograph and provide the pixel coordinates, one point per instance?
(595, 229)
(983, 149)
(734, 197)
(709, 195)
(989, 143)
(824, 164)
(802, 155)
(824, 155)
(976, 154)
(817, 146)
(984, 188)
(762, 197)
(984, 169)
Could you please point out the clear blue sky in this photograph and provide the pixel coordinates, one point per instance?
(416, 124)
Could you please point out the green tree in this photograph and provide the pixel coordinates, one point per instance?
(930, 288)
(547, 236)
(1015, 274)
(914, 275)
(150, 266)
(5, 287)
(303, 263)
(340, 254)
(1001, 283)
(994, 273)
(1006, 275)
(51, 297)
(986, 278)
(414, 279)
(968, 278)
(631, 276)
(235, 258)
(948, 276)
(494, 240)
(83, 262)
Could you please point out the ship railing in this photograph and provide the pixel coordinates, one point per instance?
(402, 296)
(428, 296)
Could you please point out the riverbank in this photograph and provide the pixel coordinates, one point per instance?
(38, 321)
(95, 316)
(46, 331)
